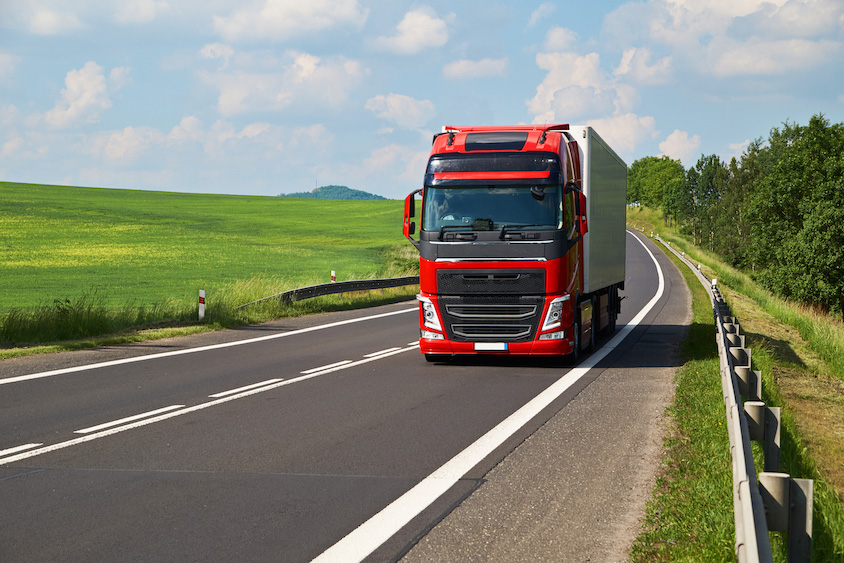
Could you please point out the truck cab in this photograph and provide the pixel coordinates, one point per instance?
(502, 231)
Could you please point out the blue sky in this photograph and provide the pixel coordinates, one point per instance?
(261, 97)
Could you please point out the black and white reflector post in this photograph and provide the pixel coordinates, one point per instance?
(201, 304)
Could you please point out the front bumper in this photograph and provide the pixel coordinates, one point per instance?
(535, 348)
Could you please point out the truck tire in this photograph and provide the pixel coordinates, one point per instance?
(574, 356)
(596, 321)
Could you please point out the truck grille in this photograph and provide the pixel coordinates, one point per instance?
(494, 311)
(491, 318)
(491, 282)
(497, 332)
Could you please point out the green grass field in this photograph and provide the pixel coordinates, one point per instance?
(77, 262)
(148, 247)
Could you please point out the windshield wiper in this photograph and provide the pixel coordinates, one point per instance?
(505, 228)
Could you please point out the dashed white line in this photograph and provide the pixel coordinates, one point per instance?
(382, 352)
(244, 388)
(87, 367)
(127, 419)
(17, 449)
(329, 366)
(19, 454)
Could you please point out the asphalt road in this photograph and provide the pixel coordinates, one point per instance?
(330, 435)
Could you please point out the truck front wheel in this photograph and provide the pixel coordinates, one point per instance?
(574, 356)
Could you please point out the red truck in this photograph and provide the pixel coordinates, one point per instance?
(521, 239)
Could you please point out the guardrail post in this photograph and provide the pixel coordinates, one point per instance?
(763, 425)
(740, 356)
(788, 507)
(749, 382)
(800, 523)
(735, 339)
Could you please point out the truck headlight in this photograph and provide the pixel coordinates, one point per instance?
(429, 313)
(554, 316)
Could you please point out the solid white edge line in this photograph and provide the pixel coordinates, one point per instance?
(17, 449)
(329, 366)
(388, 350)
(367, 537)
(63, 371)
(173, 414)
(127, 419)
(244, 388)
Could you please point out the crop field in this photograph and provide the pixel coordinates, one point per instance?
(148, 248)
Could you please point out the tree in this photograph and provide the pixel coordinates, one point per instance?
(798, 215)
(704, 185)
(648, 178)
(732, 217)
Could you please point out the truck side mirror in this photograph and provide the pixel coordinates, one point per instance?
(409, 225)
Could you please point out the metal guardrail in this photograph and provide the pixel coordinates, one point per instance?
(319, 290)
(777, 502)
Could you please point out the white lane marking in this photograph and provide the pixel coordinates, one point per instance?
(17, 449)
(387, 351)
(173, 414)
(199, 349)
(329, 366)
(127, 419)
(367, 537)
(244, 388)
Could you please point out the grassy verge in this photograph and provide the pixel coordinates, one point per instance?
(58, 328)
(689, 517)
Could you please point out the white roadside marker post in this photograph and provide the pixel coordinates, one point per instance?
(201, 304)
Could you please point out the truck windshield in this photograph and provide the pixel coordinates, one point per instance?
(490, 208)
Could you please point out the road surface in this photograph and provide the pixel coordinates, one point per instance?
(330, 436)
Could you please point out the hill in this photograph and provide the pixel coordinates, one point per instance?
(335, 192)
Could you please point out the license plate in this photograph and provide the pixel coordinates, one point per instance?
(490, 346)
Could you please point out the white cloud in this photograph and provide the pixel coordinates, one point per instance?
(403, 165)
(797, 18)
(732, 37)
(467, 69)
(87, 94)
(635, 65)
(44, 21)
(405, 111)
(301, 78)
(280, 20)
(737, 149)
(216, 51)
(418, 30)
(188, 129)
(731, 58)
(625, 132)
(126, 145)
(543, 11)
(680, 146)
(560, 39)
(139, 11)
(574, 86)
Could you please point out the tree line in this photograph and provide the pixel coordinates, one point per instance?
(777, 212)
